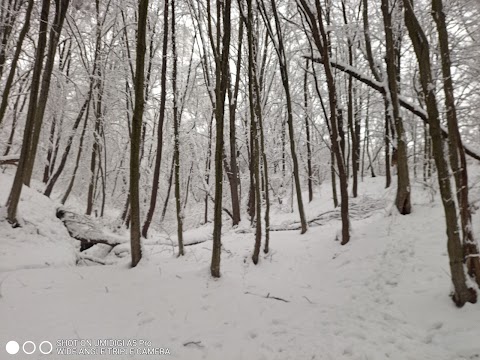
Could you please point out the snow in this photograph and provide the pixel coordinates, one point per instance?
(382, 296)
(41, 241)
(9, 157)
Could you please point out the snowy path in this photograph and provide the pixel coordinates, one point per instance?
(381, 297)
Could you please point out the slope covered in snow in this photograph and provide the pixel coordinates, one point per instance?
(41, 241)
(383, 296)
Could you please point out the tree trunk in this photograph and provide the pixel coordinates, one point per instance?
(307, 131)
(320, 39)
(137, 121)
(61, 7)
(14, 63)
(457, 155)
(403, 185)
(221, 49)
(26, 153)
(462, 292)
(176, 134)
(279, 48)
(163, 96)
(233, 174)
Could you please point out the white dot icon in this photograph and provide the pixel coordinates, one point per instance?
(12, 347)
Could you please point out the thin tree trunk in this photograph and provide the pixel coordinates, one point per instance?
(321, 41)
(158, 159)
(14, 63)
(77, 161)
(233, 174)
(402, 200)
(61, 7)
(221, 49)
(279, 48)
(307, 131)
(176, 134)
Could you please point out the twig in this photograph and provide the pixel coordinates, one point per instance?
(308, 299)
(197, 343)
(276, 298)
(267, 297)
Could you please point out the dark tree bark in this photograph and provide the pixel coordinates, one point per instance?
(61, 7)
(14, 63)
(350, 112)
(163, 96)
(137, 121)
(458, 161)
(176, 134)
(317, 27)
(280, 50)
(307, 132)
(221, 49)
(462, 292)
(25, 154)
(233, 173)
(402, 200)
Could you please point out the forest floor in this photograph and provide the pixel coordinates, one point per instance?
(385, 295)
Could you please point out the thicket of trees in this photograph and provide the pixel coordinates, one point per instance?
(237, 106)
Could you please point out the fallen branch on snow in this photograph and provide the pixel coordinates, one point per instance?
(197, 343)
(268, 296)
(9, 160)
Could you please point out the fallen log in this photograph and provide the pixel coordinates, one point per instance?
(82, 228)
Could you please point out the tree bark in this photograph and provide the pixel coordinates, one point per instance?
(25, 154)
(137, 121)
(176, 134)
(163, 96)
(402, 200)
(457, 154)
(462, 293)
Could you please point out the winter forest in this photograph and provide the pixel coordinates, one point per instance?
(240, 179)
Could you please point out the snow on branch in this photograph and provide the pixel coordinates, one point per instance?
(9, 159)
(380, 87)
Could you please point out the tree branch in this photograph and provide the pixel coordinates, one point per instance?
(380, 87)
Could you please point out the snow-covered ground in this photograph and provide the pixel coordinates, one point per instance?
(382, 296)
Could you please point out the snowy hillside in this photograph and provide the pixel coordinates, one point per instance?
(42, 240)
(383, 296)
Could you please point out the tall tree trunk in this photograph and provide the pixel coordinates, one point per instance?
(14, 63)
(221, 49)
(307, 131)
(403, 185)
(457, 154)
(233, 174)
(77, 161)
(320, 39)
(137, 121)
(163, 96)
(16, 112)
(176, 134)
(279, 48)
(26, 153)
(350, 111)
(61, 7)
(462, 292)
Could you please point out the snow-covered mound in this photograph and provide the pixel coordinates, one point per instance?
(41, 241)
